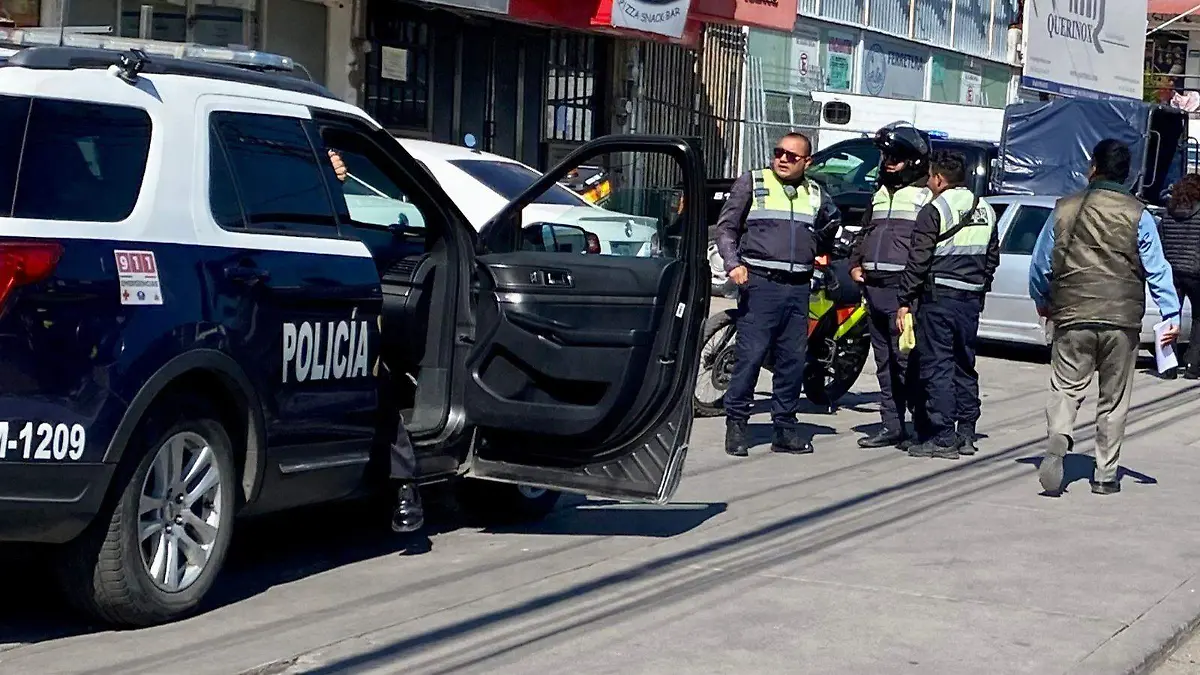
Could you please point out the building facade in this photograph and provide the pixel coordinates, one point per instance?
(947, 51)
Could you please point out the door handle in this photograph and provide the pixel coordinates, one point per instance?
(244, 274)
(558, 278)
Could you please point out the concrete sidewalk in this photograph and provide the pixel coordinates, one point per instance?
(847, 561)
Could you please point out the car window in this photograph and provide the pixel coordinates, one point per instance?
(509, 180)
(372, 196)
(846, 169)
(277, 174)
(1023, 232)
(999, 209)
(68, 160)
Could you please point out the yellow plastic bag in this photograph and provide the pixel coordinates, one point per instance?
(908, 339)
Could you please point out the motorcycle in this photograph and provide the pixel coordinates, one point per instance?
(838, 343)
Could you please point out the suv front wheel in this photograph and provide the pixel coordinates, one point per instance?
(155, 551)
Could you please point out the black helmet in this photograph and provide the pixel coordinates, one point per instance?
(902, 141)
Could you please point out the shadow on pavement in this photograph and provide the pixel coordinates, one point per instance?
(282, 548)
(743, 554)
(1078, 468)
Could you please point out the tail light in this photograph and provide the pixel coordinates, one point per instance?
(22, 264)
(593, 243)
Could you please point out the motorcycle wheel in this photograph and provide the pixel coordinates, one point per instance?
(716, 364)
(828, 376)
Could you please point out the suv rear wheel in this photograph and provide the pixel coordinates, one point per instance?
(503, 503)
(155, 551)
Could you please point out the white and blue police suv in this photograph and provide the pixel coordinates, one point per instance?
(194, 327)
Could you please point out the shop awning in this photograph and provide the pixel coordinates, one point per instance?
(1172, 7)
(771, 14)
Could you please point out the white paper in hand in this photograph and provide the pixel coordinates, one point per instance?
(1164, 356)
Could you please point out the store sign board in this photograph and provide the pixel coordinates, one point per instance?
(662, 17)
(1089, 48)
(894, 71)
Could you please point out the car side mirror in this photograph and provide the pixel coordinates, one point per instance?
(554, 238)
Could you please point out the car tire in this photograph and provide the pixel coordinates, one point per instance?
(491, 503)
(107, 571)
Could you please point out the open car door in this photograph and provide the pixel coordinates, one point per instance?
(586, 343)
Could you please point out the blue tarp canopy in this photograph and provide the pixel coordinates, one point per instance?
(1046, 146)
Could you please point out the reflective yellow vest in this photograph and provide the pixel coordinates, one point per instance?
(893, 215)
(779, 230)
(959, 261)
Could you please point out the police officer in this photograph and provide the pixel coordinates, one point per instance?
(409, 513)
(955, 253)
(771, 229)
(878, 261)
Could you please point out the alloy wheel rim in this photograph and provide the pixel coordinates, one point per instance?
(179, 512)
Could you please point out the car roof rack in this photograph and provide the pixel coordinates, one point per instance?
(91, 47)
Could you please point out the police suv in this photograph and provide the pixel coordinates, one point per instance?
(194, 327)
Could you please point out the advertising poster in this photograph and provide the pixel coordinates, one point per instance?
(839, 60)
(971, 89)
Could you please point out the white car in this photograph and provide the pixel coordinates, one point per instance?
(481, 183)
(1009, 314)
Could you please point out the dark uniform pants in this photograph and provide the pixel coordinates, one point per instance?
(947, 327)
(770, 313)
(403, 459)
(899, 378)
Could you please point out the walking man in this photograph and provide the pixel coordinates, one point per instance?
(1088, 276)
(772, 227)
(877, 263)
(955, 253)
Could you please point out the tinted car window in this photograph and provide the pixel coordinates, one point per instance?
(999, 209)
(509, 180)
(849, 168)
(1023, 233)
(223, 199)
(281, 178)
(81, 161)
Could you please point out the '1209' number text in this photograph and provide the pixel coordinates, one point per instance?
(42, 441)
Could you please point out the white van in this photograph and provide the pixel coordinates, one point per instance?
(847, 116)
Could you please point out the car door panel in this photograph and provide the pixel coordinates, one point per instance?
(582, 366)
(1010, 313)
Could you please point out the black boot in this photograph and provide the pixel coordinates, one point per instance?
(885, 438)
(789, 441)
(966, 440)
(735, 439)
(409, 515)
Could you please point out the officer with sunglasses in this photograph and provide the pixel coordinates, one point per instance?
(774, 224)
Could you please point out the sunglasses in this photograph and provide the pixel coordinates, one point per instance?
(790, 156)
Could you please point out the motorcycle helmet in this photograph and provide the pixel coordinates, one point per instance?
(902, 141)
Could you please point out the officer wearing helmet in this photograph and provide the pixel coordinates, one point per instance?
(878, 261)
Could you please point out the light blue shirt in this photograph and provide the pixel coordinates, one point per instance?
(1158, 271)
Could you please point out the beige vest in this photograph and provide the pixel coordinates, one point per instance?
(1097, 275)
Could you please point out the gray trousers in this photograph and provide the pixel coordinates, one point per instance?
(1076, 354)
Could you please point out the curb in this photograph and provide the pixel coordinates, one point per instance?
(1166, 625)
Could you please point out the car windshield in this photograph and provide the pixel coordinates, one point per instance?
(509, 180)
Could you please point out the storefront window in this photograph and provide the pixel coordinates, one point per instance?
(771, 51)
(838, 59)
(1166, 63)
(230, 23)
(994, 86)
(893, 70)
(945, 83)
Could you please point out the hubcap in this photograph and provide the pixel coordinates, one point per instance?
(179, 513)
(530, 492)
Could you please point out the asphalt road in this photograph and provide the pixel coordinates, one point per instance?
(845, 561)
